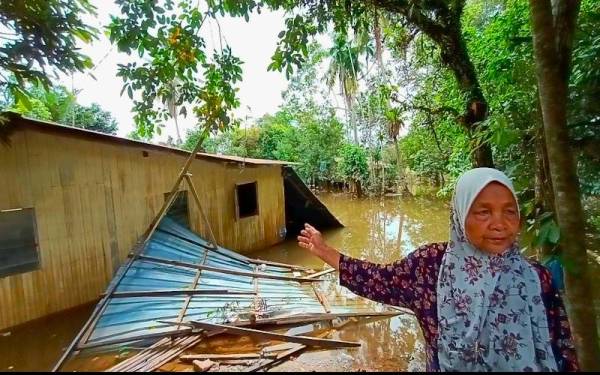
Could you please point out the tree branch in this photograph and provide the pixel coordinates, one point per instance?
(437, 111)
(433, 29)
(435, 137)
(428, 110)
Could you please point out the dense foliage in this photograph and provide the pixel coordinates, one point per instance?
(60, 105)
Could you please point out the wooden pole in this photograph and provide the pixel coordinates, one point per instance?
(299, 319)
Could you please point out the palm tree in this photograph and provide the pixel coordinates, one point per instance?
(343, 69)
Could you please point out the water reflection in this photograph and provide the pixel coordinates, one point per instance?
(380, 230)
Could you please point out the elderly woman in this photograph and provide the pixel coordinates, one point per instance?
(482, 306)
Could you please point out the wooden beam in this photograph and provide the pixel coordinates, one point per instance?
(309, 341)
(235, 362)
(325, 272)
(294, 319)
(226, 271)
(218, 357)
(403, 310)
(255, 311)
(189, 292)
(277, 264)
(188, 299)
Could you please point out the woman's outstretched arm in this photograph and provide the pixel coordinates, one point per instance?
(386, 283)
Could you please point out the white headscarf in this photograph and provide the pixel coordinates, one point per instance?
(490, 312)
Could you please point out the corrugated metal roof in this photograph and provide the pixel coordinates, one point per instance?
(94, 135)
(235, 287)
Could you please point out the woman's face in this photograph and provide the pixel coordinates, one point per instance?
(492, 223)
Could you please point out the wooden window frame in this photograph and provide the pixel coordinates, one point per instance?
(37, 263)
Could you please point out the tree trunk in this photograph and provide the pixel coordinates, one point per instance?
(382, 178)
(358, 188)
(553, 90)
(378, 43)
(348, 99)
(402, 184)
(454, 54)
(544, 197)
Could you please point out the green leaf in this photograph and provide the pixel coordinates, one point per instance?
(22, 98)
(554, 233)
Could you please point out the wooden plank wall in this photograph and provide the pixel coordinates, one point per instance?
(94, 199)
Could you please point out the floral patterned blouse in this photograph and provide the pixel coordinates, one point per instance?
(412, 282)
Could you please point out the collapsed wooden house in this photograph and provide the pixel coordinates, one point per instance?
(176, 288)
(75, 202)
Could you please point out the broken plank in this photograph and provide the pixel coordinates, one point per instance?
(224, 270)
(309, 341)
(322, 299)
(282, 356)
(278, 348)
(203, 366)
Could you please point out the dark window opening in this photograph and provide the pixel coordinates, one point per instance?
(18, 242)
(246, 200)
(179, 208)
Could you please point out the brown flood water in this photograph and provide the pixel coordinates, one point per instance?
(380, 230)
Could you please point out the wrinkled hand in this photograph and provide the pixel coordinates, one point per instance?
(311, 239)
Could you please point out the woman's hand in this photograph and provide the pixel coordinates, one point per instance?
(311, 239)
